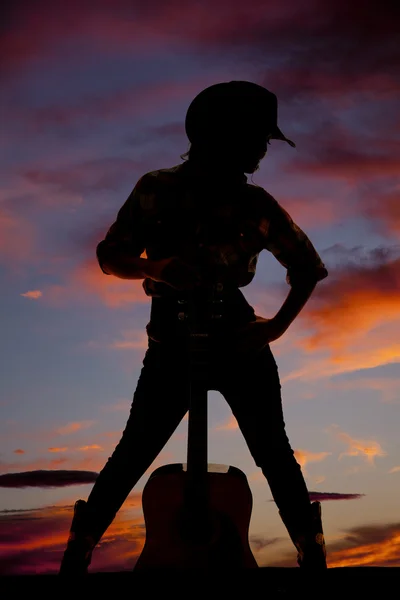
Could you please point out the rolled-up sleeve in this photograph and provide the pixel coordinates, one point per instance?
(292, 248)
(126, 234)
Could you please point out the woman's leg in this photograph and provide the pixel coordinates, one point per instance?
(160, 402)
(253, 391)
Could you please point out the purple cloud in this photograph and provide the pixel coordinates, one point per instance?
(45, 479)
(321, 496)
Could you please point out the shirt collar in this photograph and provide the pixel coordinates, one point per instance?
(217, 176)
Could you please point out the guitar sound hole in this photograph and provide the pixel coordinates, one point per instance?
(199, 531)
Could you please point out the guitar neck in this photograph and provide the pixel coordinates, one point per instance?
(197, 456)
(198, 320)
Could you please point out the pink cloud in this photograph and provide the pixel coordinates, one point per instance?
(382, 208)
(17, 238)
(336, 160)
(323, 496)
(347, 46)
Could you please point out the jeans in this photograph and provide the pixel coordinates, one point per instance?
(251, 387)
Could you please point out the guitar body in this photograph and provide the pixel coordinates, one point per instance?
(170, 539)
(197, 518)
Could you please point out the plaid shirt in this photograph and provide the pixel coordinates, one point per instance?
(221, 225)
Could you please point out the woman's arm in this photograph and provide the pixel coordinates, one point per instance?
(292, 306)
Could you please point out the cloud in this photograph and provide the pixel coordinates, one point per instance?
(33, 541)
(73, 427)
(358, 299)
(94, 109)
(258, 542)
(133, 340)
(341, 158)
(167, 131)
(46, 479)
(361, 42)
(82, 448)
(90, 176)
(319, 479)
(354, 316)
(33, 294)
(17, 238)
(122, 405)
(86, 283)
(369, 449)
(369, 545)
(321, 496)
(19, 451)
(89, 462)
(361, 546)
(230, 425)
(304, 457)
(394, 470)
(381, 207)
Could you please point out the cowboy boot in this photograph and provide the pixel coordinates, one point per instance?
(78, 554)
(309, 540)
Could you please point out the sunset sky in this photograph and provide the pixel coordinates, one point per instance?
(93, 95)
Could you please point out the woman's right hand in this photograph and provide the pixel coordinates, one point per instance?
(175, 273)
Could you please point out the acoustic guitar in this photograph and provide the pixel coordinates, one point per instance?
(197, 515)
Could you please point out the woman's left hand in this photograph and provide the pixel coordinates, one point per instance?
(257, 334)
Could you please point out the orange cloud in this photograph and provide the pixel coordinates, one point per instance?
(230, 425)
(352, 305)
(319, 479)
(56, 449)
(34, 294)
(394, 470)
(357, 447)
(19, 451)
(356, 318)
(72, 427)
(380, 553)
(87, 282)
(304, 457)
(36, 540)
(133, 340)
(91, 447)
(369, 545)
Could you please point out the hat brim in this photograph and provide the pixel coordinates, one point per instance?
(278, 135)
